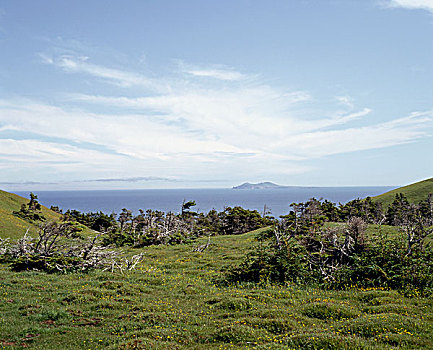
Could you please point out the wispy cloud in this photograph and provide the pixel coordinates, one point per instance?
(217, 74)
(186, 128)
(412, 4)
(345, 101)
(132, 179)
(395, 132)
(80, 64)
(28, 183)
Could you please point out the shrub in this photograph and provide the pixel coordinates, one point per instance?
(301, 249)
(50, 264)
(58, 248)
(31, 211)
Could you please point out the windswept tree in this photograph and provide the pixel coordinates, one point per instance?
(32, 211)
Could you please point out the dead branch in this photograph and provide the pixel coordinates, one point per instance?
(202, 247)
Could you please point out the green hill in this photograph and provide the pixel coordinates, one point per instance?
(13, 226)
(415, 192)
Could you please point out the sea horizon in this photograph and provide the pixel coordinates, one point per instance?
(277, 200)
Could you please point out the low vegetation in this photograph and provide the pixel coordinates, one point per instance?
(174, 299)
(14, 226)
(415, 193)
(325, 276)
(59, 248)
(153, 227)
(303, 249)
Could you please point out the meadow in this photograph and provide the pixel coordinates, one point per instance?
(177, 299)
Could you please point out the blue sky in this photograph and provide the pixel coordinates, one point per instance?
(176, 94)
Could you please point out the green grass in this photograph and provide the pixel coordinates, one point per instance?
(173, 301)
(415, 193)
(12, 226)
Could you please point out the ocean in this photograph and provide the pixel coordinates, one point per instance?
(276, 200)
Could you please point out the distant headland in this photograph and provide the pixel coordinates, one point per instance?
(258, 186)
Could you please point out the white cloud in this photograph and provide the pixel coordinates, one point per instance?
(324, 143)
(190, 129)
(345, 101)
(412, 4)
(217, 74)
(121, 78)
(157, 146)
(134, 135)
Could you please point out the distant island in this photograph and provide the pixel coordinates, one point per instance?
(258, 186)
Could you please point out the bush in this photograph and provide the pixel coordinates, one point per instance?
(58, 248)
(31, 211)
(50, 264)
(301, 249)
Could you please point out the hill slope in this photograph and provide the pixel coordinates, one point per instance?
(415, 192)
(12, 226)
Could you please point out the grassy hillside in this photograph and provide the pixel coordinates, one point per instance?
(173, 301)
(12, 226)
(415, 192)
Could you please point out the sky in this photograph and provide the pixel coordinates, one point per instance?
(208, 94)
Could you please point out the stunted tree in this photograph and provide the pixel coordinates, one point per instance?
(238, 220)
(416, 227)
(398, 210)
(31, 211)
(124, 218)
(186, 207)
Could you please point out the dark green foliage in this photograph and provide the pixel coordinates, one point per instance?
(186, 207)
(398, 210)
(50, 264)
(31, 211)
(237, 220)
(96, 221)
(389, 265)
(330, 211)
(153, 227)
(209, 223)
(366, 209)
(267, 263)
(56, 209)
(302, 249)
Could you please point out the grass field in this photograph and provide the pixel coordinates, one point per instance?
(12, 226)
(174, 301)
(415, 193)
